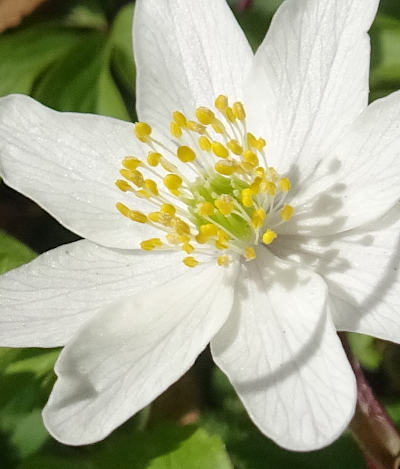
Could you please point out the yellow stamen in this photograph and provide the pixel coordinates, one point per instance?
(204, 143)
(285, 185)
(219, 150)
(250, 158)
(229, 114)
(186, 154)
(274, 174)
(258, 217)
(142, 131)
(249, 253)
(226, 167)
(234, 147)
(179, 118)
(269, 236)
(130, 162)
(169, 209)
(195, 127)
(218, 126)
(208, 230)
(268, 187)
(238, 111)
(150, 244)
(225, 204)
(247, 197)
(206, 209)
(222, 240)
(133, 175)
(221, 103)
(190, 261)
(223, 260)
(151, 186)
(153, 158)
(173, 182)
(188, 248)
(175, 129)
(123, 185)
(204, 115)
(287, 212)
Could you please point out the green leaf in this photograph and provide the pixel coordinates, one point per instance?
(13, 253)
(169, 446)
(27, 53)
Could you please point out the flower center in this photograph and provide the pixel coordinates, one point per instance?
(211, 187)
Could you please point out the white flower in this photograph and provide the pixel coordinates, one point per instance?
(272, 296)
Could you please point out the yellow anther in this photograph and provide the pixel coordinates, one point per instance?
(173, 182)
(260, 171)
(250, 158)
(153, 158)
(123, 209)
(204, 115)
(273, 173)
(221, 102)
(181, 227)
(206, 209)
(255, 185)
(151, 244)
(201, 238)
(130, 162)
(184, 238)
(218, 126)
(208, 230)
(186, 154)
(169, 209)
(173, 238)
(234, 147)
(238, 111)
(223, 260)
(123, 185)
(190, 261)
(229, 114)
(179, 118)
(188, 248)
(247, 197)
(142, 131)
(151, 186)
(287, 212)
(225, 204)
(258, 217)
(133, 175)
(285, 185)
(219, 150)
(251, 140)
(175, 129)
(144, 194)
(249, 253)
(222, 240)
(226, 167)
(268, 187)
(161, 217)
(269, 236)
(134, 215)
(260, 144)
(204, 143)
(195, 127)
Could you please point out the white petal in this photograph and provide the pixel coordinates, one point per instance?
(132, 351)
(187, 53)
(282, 355)
(359, 179)
(362, 270)
(45, 302)
(68, 164)
(310, 78)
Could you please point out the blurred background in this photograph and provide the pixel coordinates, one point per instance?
(76, 55)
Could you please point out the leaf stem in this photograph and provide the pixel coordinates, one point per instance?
(371, 426)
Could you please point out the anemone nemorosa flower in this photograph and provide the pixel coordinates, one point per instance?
(256, 209)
